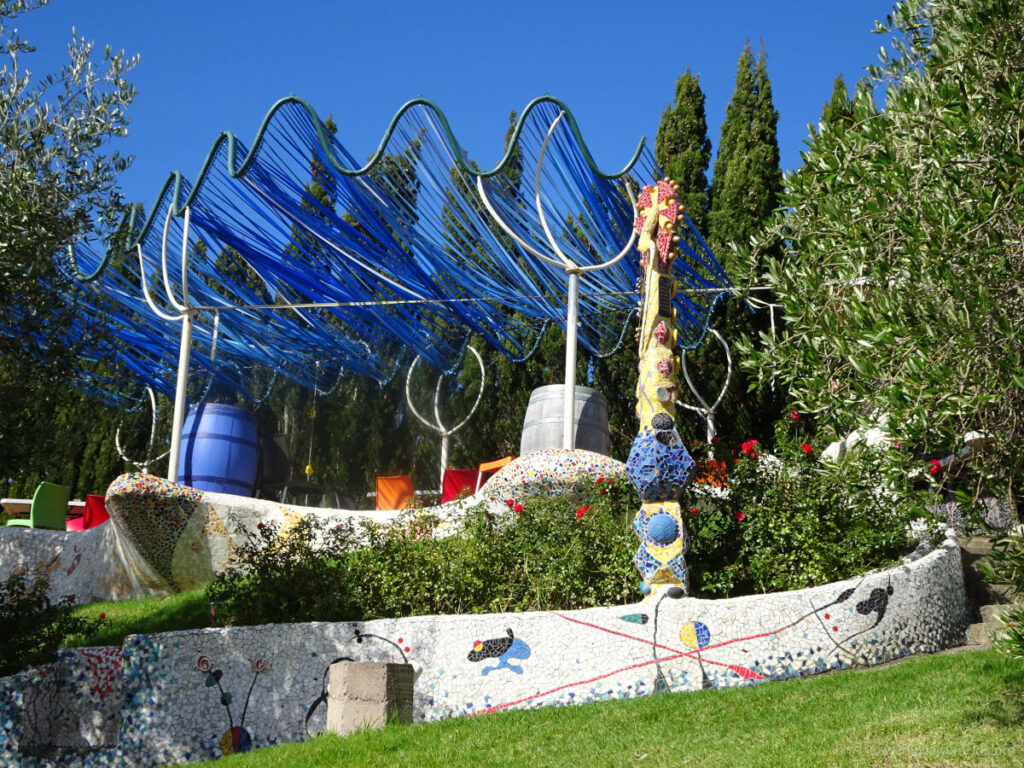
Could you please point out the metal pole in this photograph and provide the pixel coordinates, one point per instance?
(178, 420)
(444, 460)
(569, 413)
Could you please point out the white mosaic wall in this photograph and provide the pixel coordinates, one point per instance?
(188, 696)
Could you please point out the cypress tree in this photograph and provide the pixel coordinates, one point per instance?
(840, 107)
(747, 180)
(744, 192)
(683, 149)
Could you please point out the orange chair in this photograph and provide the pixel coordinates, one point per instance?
(491, 466)
(394, 492)
(95, 513)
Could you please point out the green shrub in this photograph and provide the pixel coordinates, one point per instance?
(801, 524)
(32, 628)
(791, 521)
(1006, 565)
(300, 574)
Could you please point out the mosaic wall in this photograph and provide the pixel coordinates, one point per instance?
(188, 696)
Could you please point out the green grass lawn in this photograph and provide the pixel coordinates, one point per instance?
(185, 610)
(947, 710)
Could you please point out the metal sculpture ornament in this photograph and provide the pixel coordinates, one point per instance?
(659, 465)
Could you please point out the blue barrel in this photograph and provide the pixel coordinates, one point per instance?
(219, 449)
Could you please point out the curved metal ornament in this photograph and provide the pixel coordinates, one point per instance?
(437, 425)
(705, 410)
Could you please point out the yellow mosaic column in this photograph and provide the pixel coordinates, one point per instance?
(659, 464)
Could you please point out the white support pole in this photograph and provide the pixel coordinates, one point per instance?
(444, 461)
(569, 413)
(178, 420)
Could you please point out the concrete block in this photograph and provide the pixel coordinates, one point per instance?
(369, 694)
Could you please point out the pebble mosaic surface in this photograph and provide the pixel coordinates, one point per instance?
(549, 473)
(189, 696)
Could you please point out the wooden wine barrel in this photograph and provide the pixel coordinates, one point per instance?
(542, 426)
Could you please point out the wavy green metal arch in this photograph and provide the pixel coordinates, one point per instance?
(175, 177)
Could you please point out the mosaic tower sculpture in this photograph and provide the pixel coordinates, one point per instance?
(659, 465)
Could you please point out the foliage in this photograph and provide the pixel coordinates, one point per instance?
(59, 185)
(60, 182)
(900, 282)
(1005, 564)
(683, 149)
(789, 521)
(32, 627)
(301, 574)
(744, 193)
(550, 554)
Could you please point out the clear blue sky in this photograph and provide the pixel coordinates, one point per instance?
(220, 64)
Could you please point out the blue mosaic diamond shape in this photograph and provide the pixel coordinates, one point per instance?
(659, 471)
(647, 564)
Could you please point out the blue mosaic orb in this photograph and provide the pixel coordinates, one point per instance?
(645, 588)
(662, 528)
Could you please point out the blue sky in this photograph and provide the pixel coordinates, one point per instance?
(220, 64)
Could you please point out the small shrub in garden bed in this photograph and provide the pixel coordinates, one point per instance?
(789, 521)
(783, 523)
(31, 627)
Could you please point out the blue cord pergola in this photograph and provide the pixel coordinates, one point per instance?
(294, 257)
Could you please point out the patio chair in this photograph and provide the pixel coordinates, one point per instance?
(394, 492)
(95, 513)
(491, 466)
(49, 508)
(457, 480)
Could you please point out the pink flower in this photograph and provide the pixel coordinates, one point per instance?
(740, 517)
(517, 508)
(748, 448)
(581, 511)
(807, 448)
(936, 465)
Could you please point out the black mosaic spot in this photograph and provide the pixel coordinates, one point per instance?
(662, 421)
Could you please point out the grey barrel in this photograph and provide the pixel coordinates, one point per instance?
(542, 426)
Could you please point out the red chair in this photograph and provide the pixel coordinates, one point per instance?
(95, 513)
(456, 481)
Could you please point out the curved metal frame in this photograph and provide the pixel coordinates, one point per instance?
(572, 271)
(437, 425)
(705, 410)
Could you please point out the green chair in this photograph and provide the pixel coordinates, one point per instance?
(49, 508)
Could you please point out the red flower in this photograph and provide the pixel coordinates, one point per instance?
(794, 416)
(103, 615)
(896, 444)
(740, 517)
(510, 502)
(581, 511)
(517, 508)
(936, 465)
(259, 526)
(693, 511)
(71, 598)
(715, 439)
(748, 448)
(599, 480)
(807, 448)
